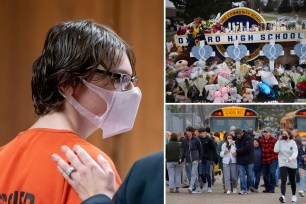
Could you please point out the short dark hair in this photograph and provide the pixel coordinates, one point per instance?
(190, 129)
(173, 137)
(72, 52)
(207, 129)
(238, 131)
(201, 130)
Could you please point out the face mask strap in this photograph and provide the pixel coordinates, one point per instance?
(78, 106)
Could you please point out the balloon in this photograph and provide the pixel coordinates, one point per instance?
(266, 90)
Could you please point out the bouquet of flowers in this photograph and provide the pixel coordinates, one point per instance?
(301, 86)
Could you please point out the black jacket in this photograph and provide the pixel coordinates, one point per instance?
(245, 149)
(191, 149)
(143, 184)
(173, 151)
(209, 148)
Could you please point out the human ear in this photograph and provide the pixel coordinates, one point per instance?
(66, 89)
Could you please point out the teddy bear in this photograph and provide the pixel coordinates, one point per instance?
(234, 96)
(181, 64)
(210, 88)
(217, 96)
(224, 92)
(255, 87)
(248, 96)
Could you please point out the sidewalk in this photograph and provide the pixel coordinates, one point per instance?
(218, 197)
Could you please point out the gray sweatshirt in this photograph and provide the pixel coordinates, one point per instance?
(286, 150)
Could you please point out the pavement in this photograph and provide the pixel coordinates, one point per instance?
(218, 197)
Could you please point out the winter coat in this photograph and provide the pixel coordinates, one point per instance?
(191, 149)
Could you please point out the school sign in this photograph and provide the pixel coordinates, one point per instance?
(247, 19)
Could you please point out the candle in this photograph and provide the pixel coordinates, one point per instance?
(247, 25)
(233, 27)
(241, 26)
(229, 26)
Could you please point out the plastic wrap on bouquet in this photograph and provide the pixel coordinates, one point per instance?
(222, 81)
(268, 78)
(201, 82)
(244, 69)
(224, 70)
(255, 87)
(295, 77)
(266, 90)
(185, 84)
(286, 80)
(195, 72)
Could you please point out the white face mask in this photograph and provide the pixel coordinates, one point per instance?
(121, 109)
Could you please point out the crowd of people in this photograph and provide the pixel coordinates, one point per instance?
(242, 155)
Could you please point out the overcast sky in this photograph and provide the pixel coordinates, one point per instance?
(169, 4)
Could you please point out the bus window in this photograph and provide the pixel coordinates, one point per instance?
(301, 124)
(223, 124)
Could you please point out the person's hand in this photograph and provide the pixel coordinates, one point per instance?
(234, 154)
(200, 161)
(289, 160)
(305, 159)
(85, 175)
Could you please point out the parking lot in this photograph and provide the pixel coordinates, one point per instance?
(218, 197)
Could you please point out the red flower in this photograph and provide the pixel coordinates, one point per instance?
(301, 86)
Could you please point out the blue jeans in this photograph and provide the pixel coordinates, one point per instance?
(175, 173)
(297, 176)
(206, 172)
(302, 181)
(243, 171)
(269, 174)
(257, 174)
(188, 173)
(194, 173)
(277, 175)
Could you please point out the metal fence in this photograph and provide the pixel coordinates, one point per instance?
(177, 122)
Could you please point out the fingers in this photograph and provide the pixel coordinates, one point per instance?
(63, 167)
(84, 156)
(72, 158)
(104, 164)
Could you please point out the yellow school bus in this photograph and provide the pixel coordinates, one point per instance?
(295, 120)
(222, 119)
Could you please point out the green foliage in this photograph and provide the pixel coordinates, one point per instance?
(285, 7)
(254, 4)
(191, 9)
(303, 8)
(175, 108)
(271, 5)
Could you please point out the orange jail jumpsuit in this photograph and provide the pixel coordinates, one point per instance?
(28, 174)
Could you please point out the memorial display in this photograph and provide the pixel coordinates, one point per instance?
(237, 57)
